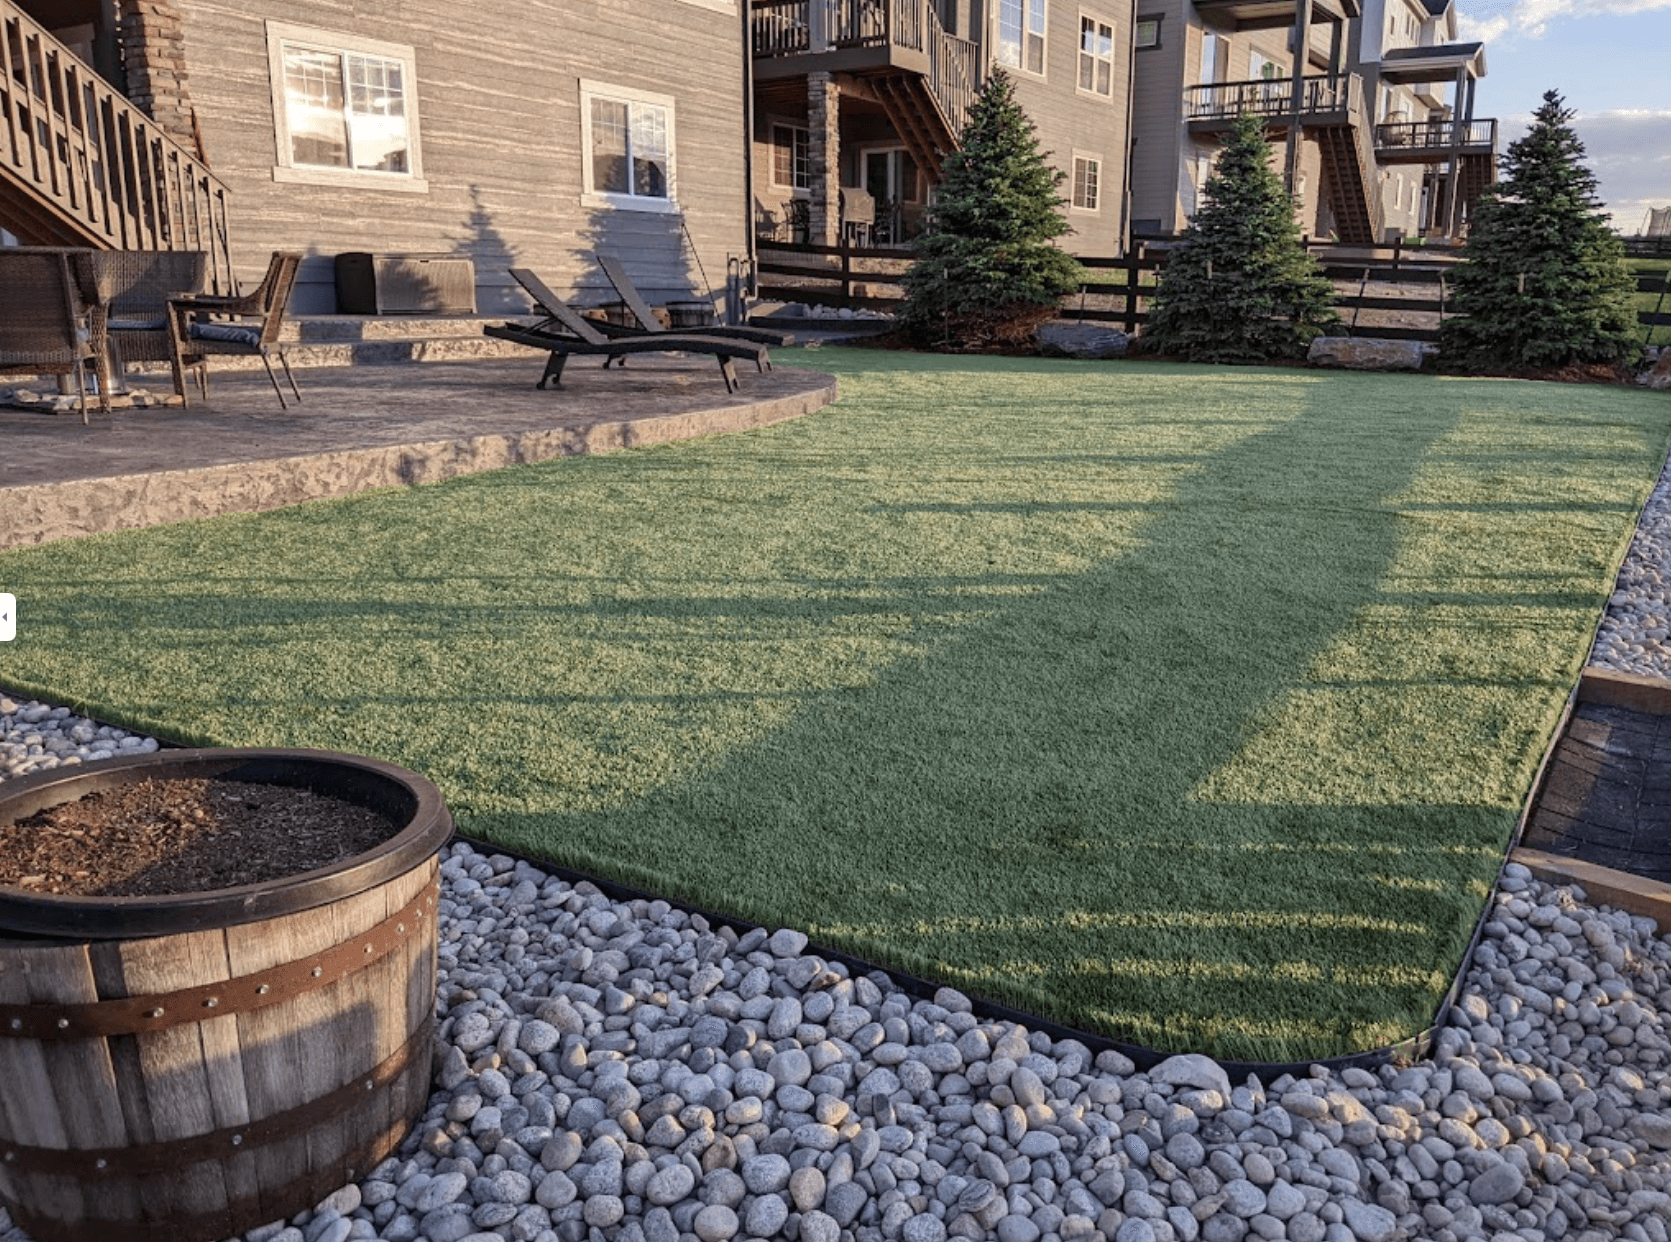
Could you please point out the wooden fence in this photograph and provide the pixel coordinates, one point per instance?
(865, 278)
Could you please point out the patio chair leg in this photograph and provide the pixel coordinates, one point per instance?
(728, 369)
(553, 371)
(289, 378)
(273, 379)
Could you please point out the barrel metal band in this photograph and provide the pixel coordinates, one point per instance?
(142, 1015)
(222, 1144)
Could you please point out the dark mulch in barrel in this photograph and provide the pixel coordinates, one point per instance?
(156, 837)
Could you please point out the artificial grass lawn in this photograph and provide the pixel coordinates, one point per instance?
(1190, 705)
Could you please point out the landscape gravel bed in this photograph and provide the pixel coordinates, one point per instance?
(623, 1072)
(1635, 634)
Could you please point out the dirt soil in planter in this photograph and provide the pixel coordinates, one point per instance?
(157, 837)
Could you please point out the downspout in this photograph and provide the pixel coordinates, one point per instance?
(751, 278)
(107, 45)
(1131, 138)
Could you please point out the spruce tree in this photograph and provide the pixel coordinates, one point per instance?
(1242, 288)
(1544, 282)
(985, 268)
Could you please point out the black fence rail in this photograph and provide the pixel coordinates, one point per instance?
(870, 279)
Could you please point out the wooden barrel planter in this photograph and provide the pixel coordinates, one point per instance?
(189, 1067)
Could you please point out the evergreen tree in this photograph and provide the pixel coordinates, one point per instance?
(985, 268)
(1544, 282)
(1243, 289)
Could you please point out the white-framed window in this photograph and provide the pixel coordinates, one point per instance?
(345, 109)
(1147, 32)
(1021, 26)
(1087, 182)
(718, 6)
(627, 146)
(1261, 66)
(792, 156)
(1096, 56)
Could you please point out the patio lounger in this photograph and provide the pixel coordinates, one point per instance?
(646, 316)
(565, 333)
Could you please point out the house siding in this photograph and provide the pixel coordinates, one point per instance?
(1069, 120)
(500, 118)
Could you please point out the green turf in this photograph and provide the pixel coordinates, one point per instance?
(1192, 705)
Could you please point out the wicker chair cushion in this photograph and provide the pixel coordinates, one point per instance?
(159, 324)
(225, 332)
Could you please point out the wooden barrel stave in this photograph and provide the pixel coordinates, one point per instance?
(201, 1077)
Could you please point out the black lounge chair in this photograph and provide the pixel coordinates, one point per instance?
(564, 333)
(646, 316)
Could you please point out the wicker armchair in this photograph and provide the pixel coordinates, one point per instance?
(51, 322)
(256, 323)
(135, 286)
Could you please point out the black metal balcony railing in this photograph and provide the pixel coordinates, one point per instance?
(1269, 97)
(1400, 135)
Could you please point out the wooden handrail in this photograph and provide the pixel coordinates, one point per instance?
(91, 157)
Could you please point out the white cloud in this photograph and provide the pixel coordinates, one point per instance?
(1492, 19)
(1628, 150)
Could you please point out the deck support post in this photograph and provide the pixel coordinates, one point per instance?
(1301, 45)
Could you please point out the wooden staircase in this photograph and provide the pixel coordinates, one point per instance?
(80, 165)
(918, 120)
(1478, 172)
(1351, 173)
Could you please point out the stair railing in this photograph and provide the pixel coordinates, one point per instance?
(1363, 143)
(955, 71)
(76, 145)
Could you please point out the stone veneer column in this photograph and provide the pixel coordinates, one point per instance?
(823, 118)
(154, 60)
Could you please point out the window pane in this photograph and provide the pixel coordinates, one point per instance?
(377, 115)
(649, 151)
(783, 155)
(609, 147)
(803, 160)
(1148, 33)
(1009, 32)
(1105, 78)
(1035, 53)
(313, 108)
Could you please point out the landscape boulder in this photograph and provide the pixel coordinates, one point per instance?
(1366, 353)
(1058, 339)
(1658, 376)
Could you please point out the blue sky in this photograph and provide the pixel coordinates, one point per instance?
(1611, 59)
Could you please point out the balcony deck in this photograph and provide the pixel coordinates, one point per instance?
(1326, 99)
(792, 38)
(1429, 142)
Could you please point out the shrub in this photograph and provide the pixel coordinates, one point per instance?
(1544, 282)
(985, 270)
(1243, 288)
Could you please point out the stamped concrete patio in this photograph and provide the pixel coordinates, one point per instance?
(360, 427)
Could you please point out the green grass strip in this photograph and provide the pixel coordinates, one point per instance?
(1190, 705)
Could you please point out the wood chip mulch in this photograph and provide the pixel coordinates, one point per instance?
(157, 837)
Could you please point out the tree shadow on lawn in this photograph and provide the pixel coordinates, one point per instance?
(1128, 801)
